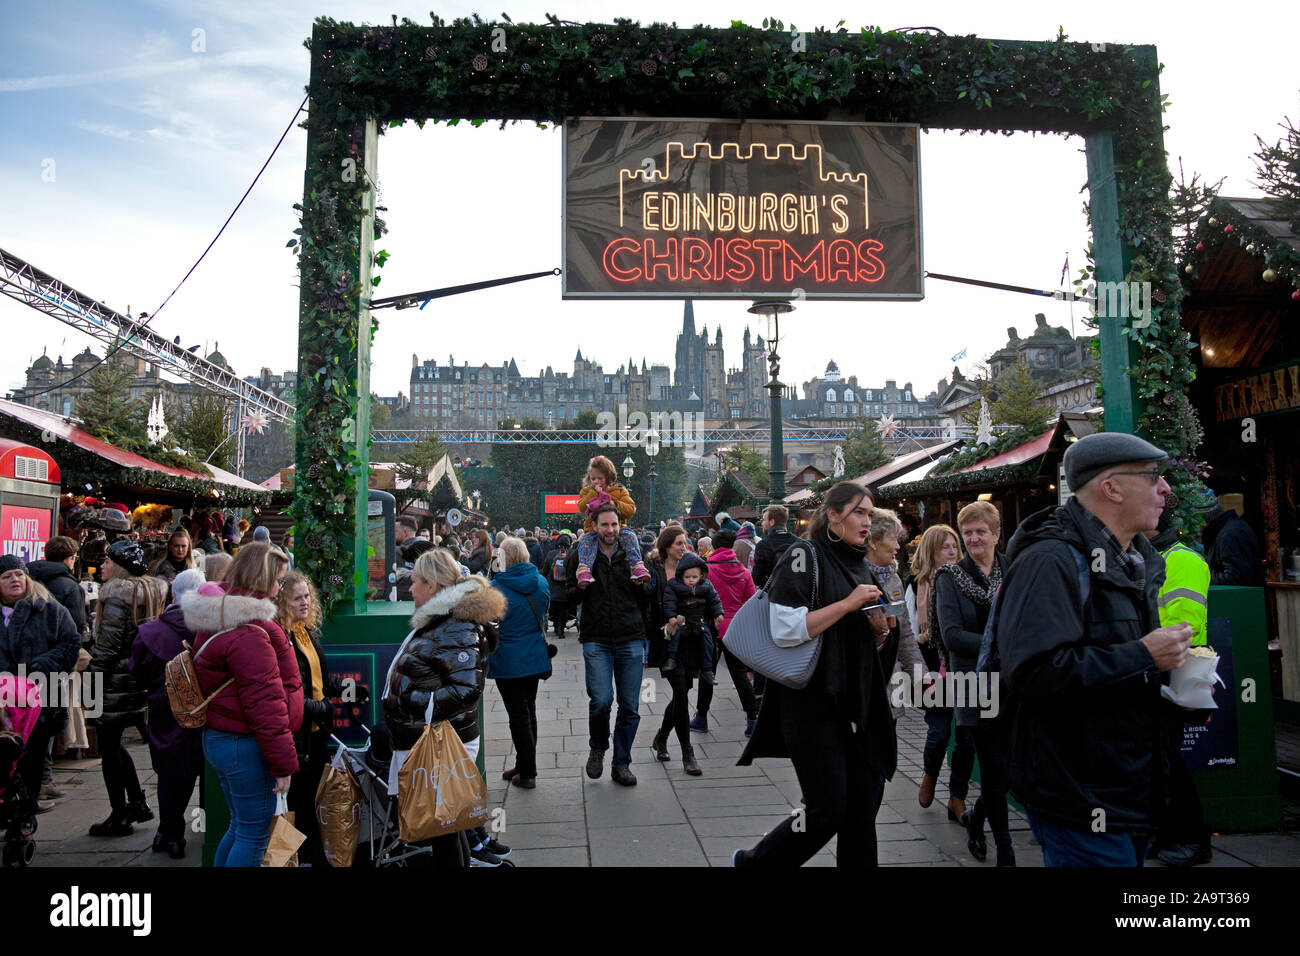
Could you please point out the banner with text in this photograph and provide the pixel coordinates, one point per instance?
(716, 209)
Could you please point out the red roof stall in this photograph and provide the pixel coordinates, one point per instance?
(29, 499)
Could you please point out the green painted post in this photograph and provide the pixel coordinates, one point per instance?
(1112, 258)
(360, 438)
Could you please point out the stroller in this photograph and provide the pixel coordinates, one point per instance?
(379, 829)
(17, 805)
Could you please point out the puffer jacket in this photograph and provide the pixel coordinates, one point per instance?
(617, 493)
(41, 636)
(733, 582)
(118, 616)
(265, 697)
(439, 672)
(1084, 692)
(63, 587)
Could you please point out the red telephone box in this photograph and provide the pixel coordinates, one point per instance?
(29, 499)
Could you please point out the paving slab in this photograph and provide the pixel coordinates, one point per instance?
(666, 846)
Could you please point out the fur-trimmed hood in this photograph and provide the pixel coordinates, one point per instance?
(210, 613)
(470, 600)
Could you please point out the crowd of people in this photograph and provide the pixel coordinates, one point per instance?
(1076, 615)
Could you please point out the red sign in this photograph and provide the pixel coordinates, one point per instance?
(24, 531)
(560, 504)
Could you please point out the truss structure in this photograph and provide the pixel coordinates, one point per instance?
(23, 282)
(633, 437)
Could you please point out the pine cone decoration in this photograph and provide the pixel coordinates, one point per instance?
(649, 67)
(313, 472)
(313, 541)
(527, 68)
(431, 53)
(480, 62)
(336, 580)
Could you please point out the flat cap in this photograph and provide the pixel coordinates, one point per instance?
(1091, 455)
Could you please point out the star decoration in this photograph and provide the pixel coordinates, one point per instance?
(888, 426)
(256, 420)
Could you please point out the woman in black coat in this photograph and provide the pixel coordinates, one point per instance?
(37, 634)
(963, 594)
(670, 548)
(480, 559)
(439, 672)
(839, 730)
(128, 598)
(179, 557)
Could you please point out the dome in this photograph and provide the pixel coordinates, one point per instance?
(216, 358)
(83, 357)
(42, 364)
(832, 367)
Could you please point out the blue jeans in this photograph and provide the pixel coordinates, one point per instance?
(938, 729)
(1065, 846)
(610, 667)
(246, 785)
(590, 540)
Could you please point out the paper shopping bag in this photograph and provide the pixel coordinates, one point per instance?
(439, 789)
(338, 812)
(285, 839)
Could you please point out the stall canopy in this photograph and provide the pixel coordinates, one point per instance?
(904, 465)
(83, 458)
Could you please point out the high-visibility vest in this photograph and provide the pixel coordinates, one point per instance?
(1185, 594)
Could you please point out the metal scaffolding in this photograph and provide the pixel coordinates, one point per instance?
(23, 282)
(632, 437)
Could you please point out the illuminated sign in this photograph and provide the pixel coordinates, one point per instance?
(704, 208)
(560, 504)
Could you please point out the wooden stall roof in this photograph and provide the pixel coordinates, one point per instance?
(1239, 320)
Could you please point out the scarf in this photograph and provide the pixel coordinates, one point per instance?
(316, 688)
(979, 594)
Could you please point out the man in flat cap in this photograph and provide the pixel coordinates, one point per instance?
(1083, 656)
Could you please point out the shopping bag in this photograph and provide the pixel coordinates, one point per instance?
(285, 839)
(338, 812)
(439, 789)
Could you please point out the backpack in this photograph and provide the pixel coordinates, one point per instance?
(557, 567)
(990, 661)
(189, 706)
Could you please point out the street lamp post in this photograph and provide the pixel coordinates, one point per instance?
(772, 310)
(629, 467)
(651, 450)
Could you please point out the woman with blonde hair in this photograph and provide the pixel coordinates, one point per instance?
(895, 639)
(216, 565)
(243, 656)
(438, 673)
(938, 547)
(963, 597)
(129, 598)
(298, 613)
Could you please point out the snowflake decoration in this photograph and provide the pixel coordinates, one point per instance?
(888, 426)
(256, 421)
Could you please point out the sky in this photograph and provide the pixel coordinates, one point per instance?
(123, 148)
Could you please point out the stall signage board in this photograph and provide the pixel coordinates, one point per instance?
(560, 504)
(1273, 390)
(1213, 743)
(24, 531)
(718, 209)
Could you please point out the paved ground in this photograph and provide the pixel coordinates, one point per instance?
(668, 819)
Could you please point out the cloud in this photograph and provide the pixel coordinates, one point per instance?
(269, 58)
(105, 129)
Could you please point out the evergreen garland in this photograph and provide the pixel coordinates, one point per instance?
(476, 69)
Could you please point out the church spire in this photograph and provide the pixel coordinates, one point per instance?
(688, 319)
